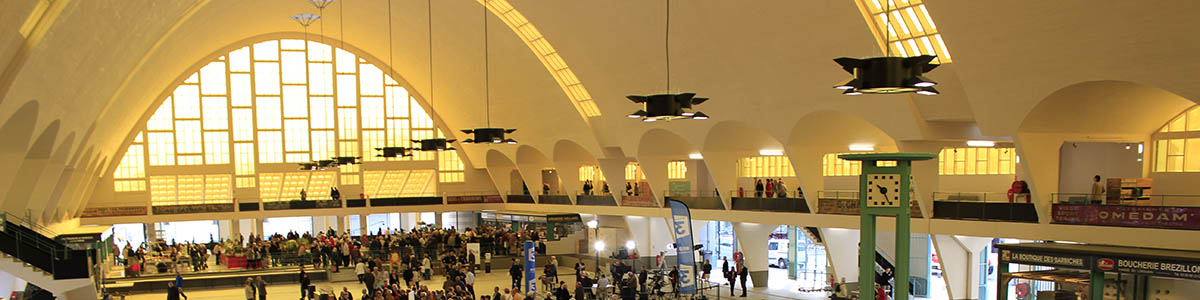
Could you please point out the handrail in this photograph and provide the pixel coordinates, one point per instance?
(993, 197)
(1146, 200)
(838, 194)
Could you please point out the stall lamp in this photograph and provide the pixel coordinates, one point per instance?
(599, 246)
(630, 245)
(593, 224)
(983, 143)
(1141, 148)
(862, 147)
(696, 156)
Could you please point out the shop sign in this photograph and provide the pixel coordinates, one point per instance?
(568, 218)
(464, 199)
(1045, 259)
(1144, 266)
(1128, 216)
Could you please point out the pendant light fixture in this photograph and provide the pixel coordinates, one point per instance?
(488, 134)
(431, 144)
(667, 106)
(887, 74)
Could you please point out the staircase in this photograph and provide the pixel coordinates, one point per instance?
(44, 262)
(882, 263)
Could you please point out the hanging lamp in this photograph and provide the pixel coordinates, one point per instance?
(887, 74)
(488, 134)
(667, 106)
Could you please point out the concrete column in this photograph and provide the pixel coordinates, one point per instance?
(362, 224)
(752, 241)
(258, 227)
(437, 219)
(340, 225)
(319, 224)
(925, 175)
(151, 234)
(235, 229)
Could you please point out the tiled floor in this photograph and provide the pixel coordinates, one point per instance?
(782, 289)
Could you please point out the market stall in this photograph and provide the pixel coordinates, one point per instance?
(1095, 272)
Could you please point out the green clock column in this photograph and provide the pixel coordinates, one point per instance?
(885, 191)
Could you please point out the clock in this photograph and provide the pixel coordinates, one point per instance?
(883, 190)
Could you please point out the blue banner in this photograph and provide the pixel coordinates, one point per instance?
(681, 222)
(530, 269)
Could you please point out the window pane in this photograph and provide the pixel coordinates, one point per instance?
(187, 102)
(294, 67)
(1192, 156)
(295, 101)
(268, 112)
(239, 89)
(266, 78)
(216, 114)
(212, 78)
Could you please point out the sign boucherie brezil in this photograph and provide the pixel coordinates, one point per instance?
(1149, 267)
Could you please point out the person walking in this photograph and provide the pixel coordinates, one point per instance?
(758, 188)
(261, 286)
(516, 273)
(304, 286)
(470, 281)
(249, 288)
(742, 273)
(1099, 191)
(173, 291)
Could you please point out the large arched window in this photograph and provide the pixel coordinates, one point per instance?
(238, 127)
(1177, 143)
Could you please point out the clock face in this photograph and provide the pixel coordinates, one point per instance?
(883, 190)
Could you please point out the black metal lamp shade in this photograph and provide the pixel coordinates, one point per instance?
(888, 75)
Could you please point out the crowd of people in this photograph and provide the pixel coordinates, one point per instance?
(773, 188)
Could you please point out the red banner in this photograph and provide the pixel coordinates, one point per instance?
(1128, 216)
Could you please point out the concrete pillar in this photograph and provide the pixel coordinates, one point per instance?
(319, 224)
(437, 220)
(258, 227)
(956, 265)
(340, 225)
(235, 229)
(752, 240)
(151, 234)
(362, 225)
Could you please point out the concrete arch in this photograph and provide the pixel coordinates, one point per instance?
(828, 131)
(657, 147)
(75, 208)
(1088, 111)
(39, 196)
(568, 157)
(531, 162)
(16, 200)
(726, 143)
(500, 168)
(72, 176)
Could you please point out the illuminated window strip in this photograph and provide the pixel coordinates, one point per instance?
(917, 34)
(832, 165)
(676, 170)
(450, 167)
(977, 161)
(633, 172)
(546, 53)
(765, 166)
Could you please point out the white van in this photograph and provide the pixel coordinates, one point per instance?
(777, 253)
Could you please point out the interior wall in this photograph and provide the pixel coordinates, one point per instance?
(1172, 289)
(841, 183)
(1080, 161)
(975, 183)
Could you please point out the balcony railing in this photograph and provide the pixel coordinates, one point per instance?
(1151, 211)
(555, 199)
(787, 203)
(846, 203)
(984, 206)
(596, 200)
(697, 199)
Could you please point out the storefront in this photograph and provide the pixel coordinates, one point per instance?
(1099, 272)
(552, 225)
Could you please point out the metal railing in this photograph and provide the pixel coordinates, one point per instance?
(1147, 200)
(25, 240)
(985, 197)
(838, 194)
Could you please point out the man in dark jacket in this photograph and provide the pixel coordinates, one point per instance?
(516, 272)
(742, 273)
(173, 292)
